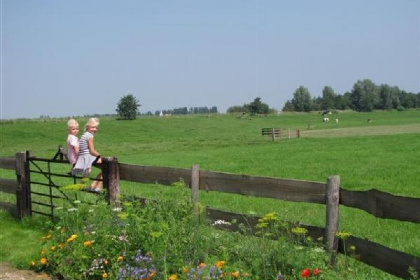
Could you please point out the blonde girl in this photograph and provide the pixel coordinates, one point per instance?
(72, 141)
(88, 155)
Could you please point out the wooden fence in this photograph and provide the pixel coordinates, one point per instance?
(377, 203)
(279, 134)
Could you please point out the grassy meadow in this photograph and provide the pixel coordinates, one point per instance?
(383, 154)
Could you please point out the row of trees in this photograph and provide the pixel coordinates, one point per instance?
(364, 97)
(127, 108)
(186, 111)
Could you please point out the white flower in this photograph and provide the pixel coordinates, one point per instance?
(220, 222)
(117, 209)
(77, 202)
(72, 209)
(318, 250)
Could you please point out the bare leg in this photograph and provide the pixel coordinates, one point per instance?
(97, 184)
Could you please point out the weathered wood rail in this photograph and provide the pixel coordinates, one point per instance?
(377, 203)
(277, 133)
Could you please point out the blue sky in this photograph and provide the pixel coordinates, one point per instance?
(71, 58)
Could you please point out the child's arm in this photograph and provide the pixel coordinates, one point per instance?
(92, 150)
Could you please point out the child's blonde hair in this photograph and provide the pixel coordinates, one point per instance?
(72, 123)
(92, 122)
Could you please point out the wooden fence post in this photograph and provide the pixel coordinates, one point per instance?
(195, 183)
(332, 207)
(111, 180)
(23, 193)
(273, 136)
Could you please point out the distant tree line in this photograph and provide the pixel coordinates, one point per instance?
(365, 96)
(186, 111)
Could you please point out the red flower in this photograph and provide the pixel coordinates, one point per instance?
(305, 273)
(317, 271)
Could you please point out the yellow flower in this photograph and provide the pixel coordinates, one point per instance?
(173, 277)
(73, 237)
(61, 245)
(220, 264)
(32, 263)
(87, 243)
(343, 234)
(120, 258)
(235, 274)
(105, 275)
(299, 230)
(185, 269)
(49, 236)
(43, 261)
(53, 248)
(153, 274)
(43, 251)
(62, 231)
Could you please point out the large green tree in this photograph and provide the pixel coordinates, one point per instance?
(257, 107)
(302, 101)
(364, 96)
(328, 98)
(127, 107)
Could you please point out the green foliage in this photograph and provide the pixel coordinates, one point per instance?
(302, 101)
(328, 98)
(257, 107)
(365, 96)
(127, 107)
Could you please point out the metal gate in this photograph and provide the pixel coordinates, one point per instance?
(45, 183)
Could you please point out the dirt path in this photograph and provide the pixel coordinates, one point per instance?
(8, 272)
(362, 131)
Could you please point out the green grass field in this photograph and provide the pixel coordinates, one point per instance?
(383, 154)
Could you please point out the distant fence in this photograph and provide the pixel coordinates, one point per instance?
(377, 203)
(279, 134)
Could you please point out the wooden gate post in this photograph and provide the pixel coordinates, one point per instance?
(332, 207)
(111, 177)
(195, 183)
(23, 193)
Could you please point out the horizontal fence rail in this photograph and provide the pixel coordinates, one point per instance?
(150, 174)
(8, 186)
(290, 190)
(382, 204)
(8, 163)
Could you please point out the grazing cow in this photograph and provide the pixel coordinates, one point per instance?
(336, 120)
(326, 112)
